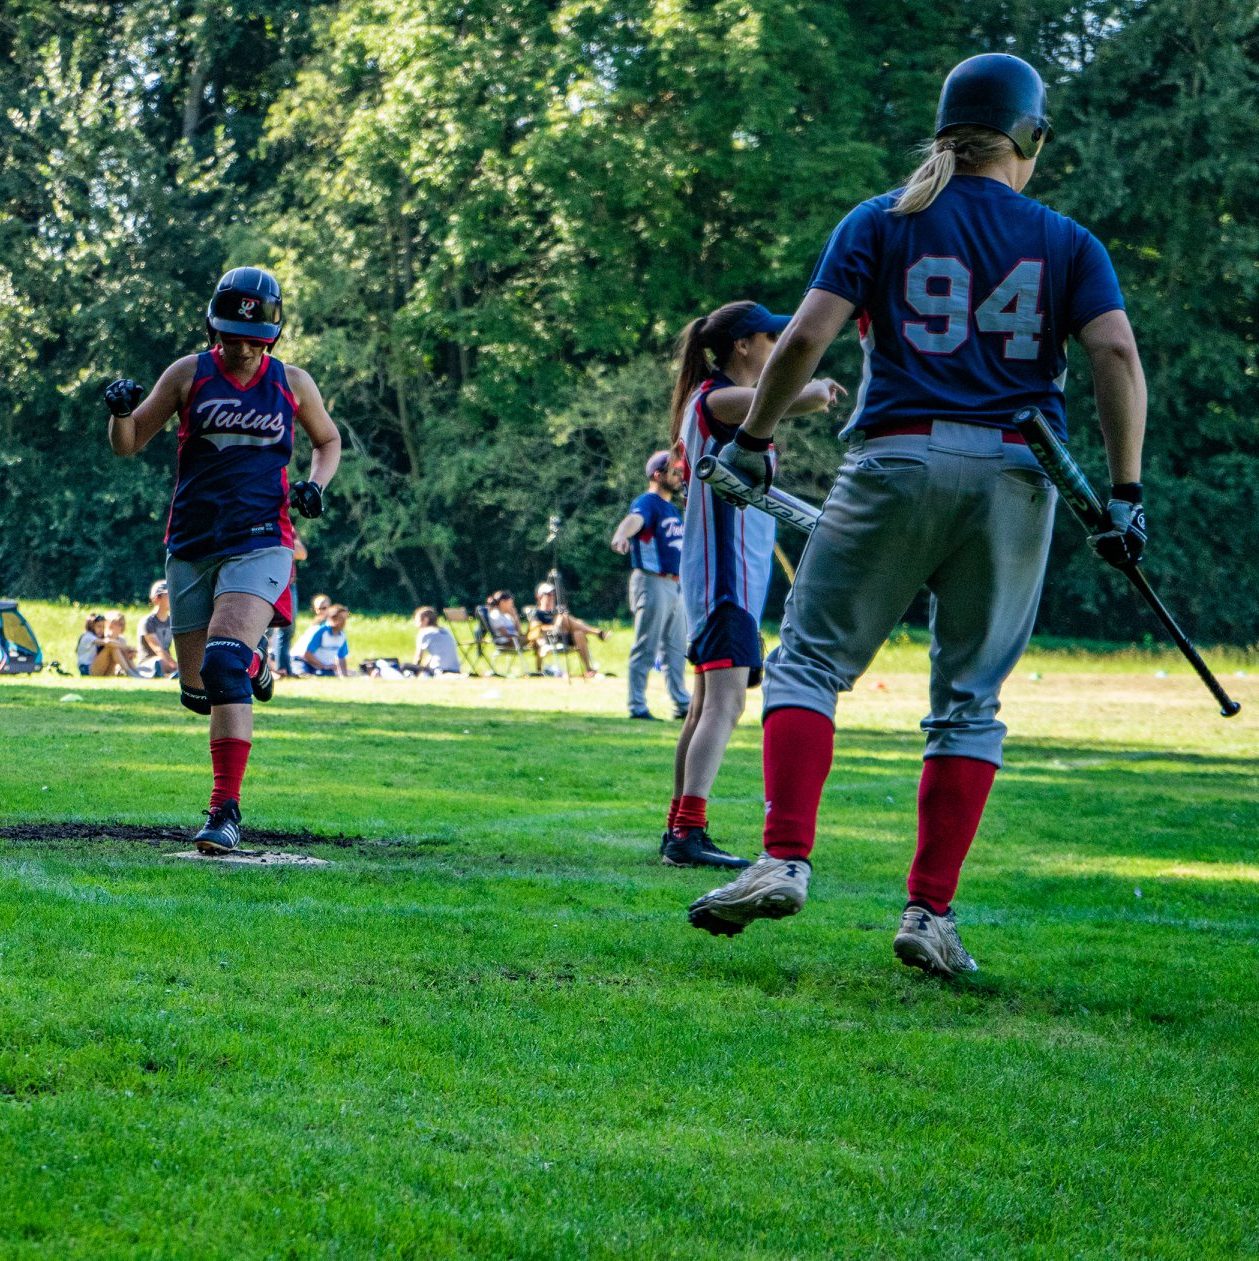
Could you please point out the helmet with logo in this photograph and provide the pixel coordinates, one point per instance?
(246, 303)
(998, 91)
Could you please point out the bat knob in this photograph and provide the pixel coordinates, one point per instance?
(1230, 708)
(1026, 414)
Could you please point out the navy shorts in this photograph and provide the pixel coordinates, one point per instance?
(729, 638)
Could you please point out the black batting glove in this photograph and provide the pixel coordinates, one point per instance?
(1124, 543)
(749, 460)
(306, 498)
(122, 397)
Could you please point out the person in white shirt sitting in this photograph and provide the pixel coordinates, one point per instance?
(435, 649)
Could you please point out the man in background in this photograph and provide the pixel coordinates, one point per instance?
(651, 536)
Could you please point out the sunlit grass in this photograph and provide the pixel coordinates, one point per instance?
(486, 1030)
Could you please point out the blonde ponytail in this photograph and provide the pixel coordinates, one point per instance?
(965, 149)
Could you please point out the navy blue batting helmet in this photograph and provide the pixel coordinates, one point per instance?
(998, 91)
(246, 303)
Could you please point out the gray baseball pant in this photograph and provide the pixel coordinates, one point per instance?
(659, 630)
(958, 511)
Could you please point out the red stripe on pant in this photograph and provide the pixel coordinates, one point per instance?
(799, 746)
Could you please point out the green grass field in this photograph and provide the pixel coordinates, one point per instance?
(486, 1030)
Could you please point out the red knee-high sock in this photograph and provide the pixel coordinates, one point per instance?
(229, 758)
(951, 798)
(673, 812)
(692, 812)
(799, 746)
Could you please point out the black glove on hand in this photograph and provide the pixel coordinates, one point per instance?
(749, 460)
(306, 498)
(1124, 543)
(123, 397)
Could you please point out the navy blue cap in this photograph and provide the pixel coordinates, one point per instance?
(759, 320)
(658, 463)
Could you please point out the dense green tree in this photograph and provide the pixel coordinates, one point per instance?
(1155, 156)
(493, 218)
(125, 157)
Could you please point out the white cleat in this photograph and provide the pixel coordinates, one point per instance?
(772, 888)
(931, 942)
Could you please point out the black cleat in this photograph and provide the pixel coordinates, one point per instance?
(695, 848)
(263, 683)
(220, 833)
(710, 923)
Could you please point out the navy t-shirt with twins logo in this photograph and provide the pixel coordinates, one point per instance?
(235, 442)
(657, 547)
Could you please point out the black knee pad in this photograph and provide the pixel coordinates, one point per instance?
(225, 672)
(194, 698)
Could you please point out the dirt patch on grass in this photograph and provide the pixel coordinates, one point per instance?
(149, 835)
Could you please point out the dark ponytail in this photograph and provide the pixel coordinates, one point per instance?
(709, 333)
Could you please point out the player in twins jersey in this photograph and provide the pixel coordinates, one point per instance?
(229, 539)
(965, 293)
(726, 559)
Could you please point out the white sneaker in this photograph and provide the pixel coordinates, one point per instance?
(931, 942)
(771, 888)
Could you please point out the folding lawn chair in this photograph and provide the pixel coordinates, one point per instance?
(466, 632)
(504, 654)
(553, 642)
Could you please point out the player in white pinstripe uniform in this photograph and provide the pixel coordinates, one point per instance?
(727, 557)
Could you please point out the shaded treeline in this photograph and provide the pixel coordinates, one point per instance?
(491, 220)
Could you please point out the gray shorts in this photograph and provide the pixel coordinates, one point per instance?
(195, 584)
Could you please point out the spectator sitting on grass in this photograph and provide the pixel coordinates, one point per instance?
(91, 642)
(103, 651)
(319, 607)
(154, 660)
(547, 616)
(323, 649)
(435, 649)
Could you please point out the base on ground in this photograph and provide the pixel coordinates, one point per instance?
(255, 858)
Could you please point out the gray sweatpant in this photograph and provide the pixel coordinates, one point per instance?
(958, 511)
(659, 630)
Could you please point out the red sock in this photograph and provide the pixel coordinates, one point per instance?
(673, 811)
(951, 798)
(229, 757)
(799, 746)
(692, 812)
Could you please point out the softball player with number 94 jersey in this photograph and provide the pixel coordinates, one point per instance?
(964, 292)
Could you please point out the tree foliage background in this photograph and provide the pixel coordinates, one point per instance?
(491, 219)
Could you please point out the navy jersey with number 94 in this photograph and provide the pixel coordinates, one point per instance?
(964, 308)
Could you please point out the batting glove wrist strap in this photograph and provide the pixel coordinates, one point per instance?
(754, 468)
(1129, 492)
(306, 498)
(749, 443)
(1124, 543)
(122, 397)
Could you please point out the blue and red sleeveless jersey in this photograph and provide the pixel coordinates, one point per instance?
(235, 441)
(727, 553)
(964, 309)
